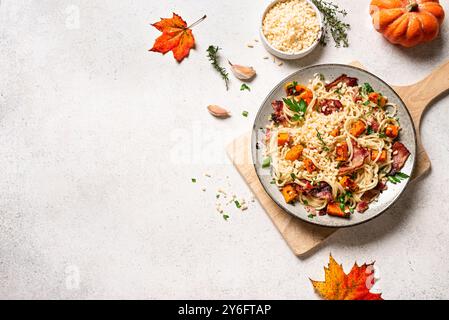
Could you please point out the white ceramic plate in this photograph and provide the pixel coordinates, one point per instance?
(332, 71)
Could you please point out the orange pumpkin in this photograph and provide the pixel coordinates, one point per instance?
(407, 22)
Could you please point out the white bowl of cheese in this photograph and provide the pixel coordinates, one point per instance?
(291, 29)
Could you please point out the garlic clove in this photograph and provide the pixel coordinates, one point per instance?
(242, 72)
(218, 111)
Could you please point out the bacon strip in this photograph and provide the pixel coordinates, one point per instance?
(358, 158)
(350, 82)
(277, 116)
(328, 106)
(400, 156)
(323, 191)
(362, 206)
(372, 122)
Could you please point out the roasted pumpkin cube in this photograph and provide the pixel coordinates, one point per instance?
(342, 151)
(294, 153)
(333, 209)
(289, 192)
(348, 184)
(293, 88)
(391, 131)
(357, 128)
(335, 132)
(309, 165)
(377, 98)
(382, 158)
(283, 138)
(306, 95)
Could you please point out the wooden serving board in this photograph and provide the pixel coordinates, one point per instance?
(301, 236)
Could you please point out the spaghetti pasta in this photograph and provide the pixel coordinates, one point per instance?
(338, 145)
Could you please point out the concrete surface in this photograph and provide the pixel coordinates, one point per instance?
(99, 140)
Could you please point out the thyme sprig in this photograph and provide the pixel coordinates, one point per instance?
(324, 145)
(332, 23)
(212, 54)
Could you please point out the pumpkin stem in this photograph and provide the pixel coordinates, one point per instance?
(412, 6)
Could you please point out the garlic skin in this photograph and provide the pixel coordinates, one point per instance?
(242, 72)
(218, 111)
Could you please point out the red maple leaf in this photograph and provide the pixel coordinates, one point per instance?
(176, 37)
(353, 286)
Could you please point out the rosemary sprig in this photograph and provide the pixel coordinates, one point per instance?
(332, 23)
(212, 54)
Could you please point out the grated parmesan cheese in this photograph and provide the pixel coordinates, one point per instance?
(291, 26)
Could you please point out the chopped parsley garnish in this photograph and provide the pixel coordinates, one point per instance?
(366, 103)
(318, 134)
(293, 176)
(245, 113)
(369, 130)
(311, 216)
(193, 180)
(305, 202)
(342, 206)
(298, 107)
(296, 117)
(367, 89)
(226, 217)
(266, 162)
(244, 86)
(382, 135)
(237, 204)
(402, 175)
(398, 177)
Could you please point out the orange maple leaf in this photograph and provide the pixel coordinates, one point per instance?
(176, 37)
(353, 286)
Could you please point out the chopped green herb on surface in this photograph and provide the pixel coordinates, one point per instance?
(244, 87)
(245, 113)
(226, 217)
(193, 180)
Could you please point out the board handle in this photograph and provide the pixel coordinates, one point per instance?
(421, 94)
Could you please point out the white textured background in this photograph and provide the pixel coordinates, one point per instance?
(99, 139)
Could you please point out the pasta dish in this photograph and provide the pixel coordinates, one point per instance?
(334, 146)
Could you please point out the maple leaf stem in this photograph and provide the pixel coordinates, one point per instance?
(196, 22)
